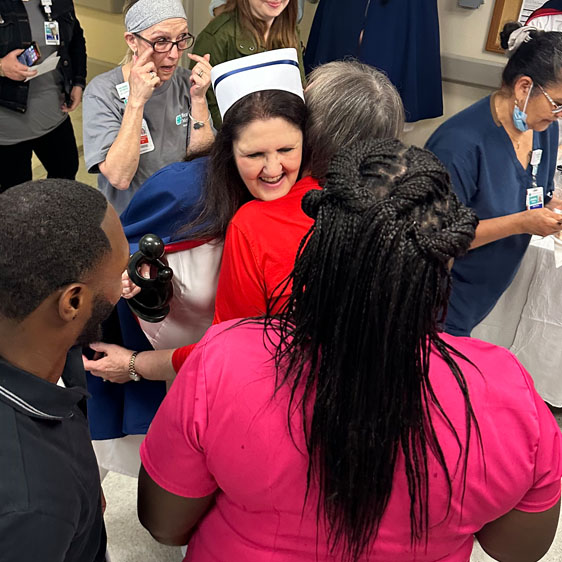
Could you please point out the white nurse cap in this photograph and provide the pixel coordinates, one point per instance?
(271, 70)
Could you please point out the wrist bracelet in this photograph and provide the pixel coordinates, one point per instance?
(133, 375)
(198, 124)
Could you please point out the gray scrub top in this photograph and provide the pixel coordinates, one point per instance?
(166, 114)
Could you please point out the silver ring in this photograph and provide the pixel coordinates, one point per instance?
(200, 74)
(152, 74)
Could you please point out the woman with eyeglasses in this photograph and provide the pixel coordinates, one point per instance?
(501, 153)
(149, 112)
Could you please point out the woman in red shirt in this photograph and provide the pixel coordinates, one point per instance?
(346, 101)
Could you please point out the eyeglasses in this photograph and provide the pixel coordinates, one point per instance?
(557, 108)
(163, 46)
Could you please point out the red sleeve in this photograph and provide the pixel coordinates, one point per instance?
(240, 290)
(180, 355)
(548, 459)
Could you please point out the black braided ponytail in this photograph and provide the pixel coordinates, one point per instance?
(370, 284)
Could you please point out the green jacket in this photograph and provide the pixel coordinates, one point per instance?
(224, 40)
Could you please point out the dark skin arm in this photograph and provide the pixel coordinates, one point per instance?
(170, 519)
(518, 536)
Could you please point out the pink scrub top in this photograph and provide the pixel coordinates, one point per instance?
(220, 428)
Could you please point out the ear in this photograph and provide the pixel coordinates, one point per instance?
(522, 87)
(131, 42)
(74, 301)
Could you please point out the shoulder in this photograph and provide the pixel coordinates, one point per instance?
(236, 351)
(103, 83)
(469, 124)
(225, 23)
(492, 371)
(14, 497)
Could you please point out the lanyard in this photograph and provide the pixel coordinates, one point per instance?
(536, 157)
(47, 8)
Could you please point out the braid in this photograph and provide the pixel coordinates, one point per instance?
(370, 282)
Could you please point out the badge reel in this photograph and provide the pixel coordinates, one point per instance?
(535, 195)
(152, 303)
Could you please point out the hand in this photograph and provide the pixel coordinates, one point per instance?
(75, 98)
(128, 288)
(14, 69)
(113, 362)
(142, 78)
(554, 203)
(541, 222)
(200, 76)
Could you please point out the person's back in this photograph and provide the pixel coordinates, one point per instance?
(352, 429)
(240, 439)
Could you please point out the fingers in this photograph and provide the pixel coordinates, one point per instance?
(130, 292)
(203, 60)
(144, 270)
(143, 58)
(100, 346)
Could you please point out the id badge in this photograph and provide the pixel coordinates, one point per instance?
(52, 36)
(123, 91)
(146, 144)
(535, 198)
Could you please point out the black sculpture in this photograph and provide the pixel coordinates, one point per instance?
(151, 304)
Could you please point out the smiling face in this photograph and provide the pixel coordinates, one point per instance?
(267, 10)
(169, 30)
(268, 155)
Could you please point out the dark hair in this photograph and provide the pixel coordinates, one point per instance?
(370, 283)
(540, 58)
(224, 191)
(283, 32)
(50, 236)
(348, 101)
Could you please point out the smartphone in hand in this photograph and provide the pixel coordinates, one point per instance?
(31, 55)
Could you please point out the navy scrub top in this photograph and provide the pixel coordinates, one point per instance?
(488, 177)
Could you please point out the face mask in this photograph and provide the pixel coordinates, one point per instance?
(519, 116)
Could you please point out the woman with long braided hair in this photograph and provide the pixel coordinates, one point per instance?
(351, 429)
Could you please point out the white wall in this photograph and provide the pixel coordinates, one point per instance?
(464, 32)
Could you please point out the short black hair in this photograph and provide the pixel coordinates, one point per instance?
(50, 236)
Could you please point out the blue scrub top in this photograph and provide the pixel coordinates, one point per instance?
(167, 200)
(488, 177)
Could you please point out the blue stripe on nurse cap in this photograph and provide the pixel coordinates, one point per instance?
(272, 70)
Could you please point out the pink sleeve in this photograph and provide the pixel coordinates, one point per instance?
(173, 452)
(240, 291)
(548, 459)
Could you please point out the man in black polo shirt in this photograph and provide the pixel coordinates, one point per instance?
(62, 252)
